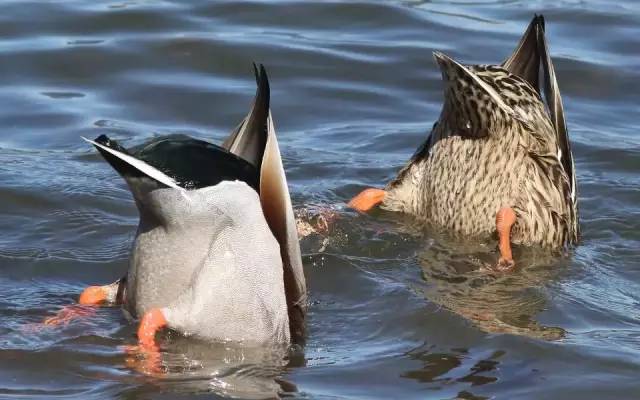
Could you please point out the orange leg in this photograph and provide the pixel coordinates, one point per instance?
(146, 357)
(147, 361)
(91, 296)
(505, 218)
(367, 199)
(94, 295)
(151, 322)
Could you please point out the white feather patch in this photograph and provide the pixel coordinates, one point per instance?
(139, 165)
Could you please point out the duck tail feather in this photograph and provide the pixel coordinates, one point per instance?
(249, 138)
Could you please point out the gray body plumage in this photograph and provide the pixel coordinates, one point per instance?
(216, 248)
(496, 144)
(208, 258)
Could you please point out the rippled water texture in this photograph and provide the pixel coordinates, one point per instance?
(396, 311)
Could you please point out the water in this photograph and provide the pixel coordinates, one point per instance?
(396, 311)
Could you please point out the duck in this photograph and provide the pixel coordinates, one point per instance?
(498, 160)
(216, 253)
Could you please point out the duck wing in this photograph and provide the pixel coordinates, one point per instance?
(255, 141)
(525, 60)
(249, 138)
(278, 211)
(127, 165)
(531, 53)
(469, 115)
(176, 161)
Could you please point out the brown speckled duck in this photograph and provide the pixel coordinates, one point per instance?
(498, 159)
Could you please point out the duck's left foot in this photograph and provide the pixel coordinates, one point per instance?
(94, 295)
(91, 296)
(367, 199)
(505, 218)
(150, 324)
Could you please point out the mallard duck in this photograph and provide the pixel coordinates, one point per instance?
(216, 253)
(498, 159)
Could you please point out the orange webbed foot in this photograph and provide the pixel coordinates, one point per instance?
(505, 218)
(367, 199)
(151, 323)
(93, 295)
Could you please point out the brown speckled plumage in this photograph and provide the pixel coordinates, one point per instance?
(496, 144)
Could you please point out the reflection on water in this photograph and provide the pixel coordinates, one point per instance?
(459, 278)
(226, 369)
(457, 366)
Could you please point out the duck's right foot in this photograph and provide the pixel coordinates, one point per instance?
(505, 218)
(367, 199)
(151, 323)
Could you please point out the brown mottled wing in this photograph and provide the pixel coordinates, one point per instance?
(249, 138)
(525, 60)
(472, 106)
(531, 53)
(554, 102)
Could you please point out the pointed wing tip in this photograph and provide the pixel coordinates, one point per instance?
(437, 55)
(537, 22)
(110, 154)
(92, 142)
(452, 70)
(262, 80)
(102, 140)
(260, 73)
(447, 64)
(442, 59)
(263, 71)
(256, 73)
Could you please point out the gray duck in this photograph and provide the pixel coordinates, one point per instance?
(498, 160)
(216, 253)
